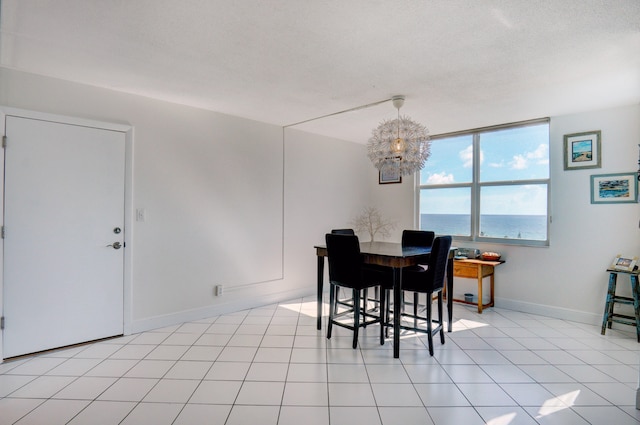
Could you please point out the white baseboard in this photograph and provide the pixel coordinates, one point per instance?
(550, 311)
(215, 310)
(235, 306)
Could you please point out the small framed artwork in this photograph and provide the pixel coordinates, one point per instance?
(582, 150)
(624, 263)
(614, 188)
(389, 175)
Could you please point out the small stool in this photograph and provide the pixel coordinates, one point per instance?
(612, 298)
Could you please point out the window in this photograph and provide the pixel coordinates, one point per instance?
(490, 184)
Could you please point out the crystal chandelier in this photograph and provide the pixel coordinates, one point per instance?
(400, 145)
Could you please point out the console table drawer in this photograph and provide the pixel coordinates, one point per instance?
(463, 269)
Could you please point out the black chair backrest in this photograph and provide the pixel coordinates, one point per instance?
(345, 260)
(417, 238)
(343, 232)
(438, 261)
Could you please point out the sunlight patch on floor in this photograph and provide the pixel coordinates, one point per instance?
(502, 420)
(466, 324)
(308, 308)
(569, 398)
(557, 404)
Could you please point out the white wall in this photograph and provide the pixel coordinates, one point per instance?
(389, 197)
(217, 195)
(568, 278)
(326, 186)
(187, 179)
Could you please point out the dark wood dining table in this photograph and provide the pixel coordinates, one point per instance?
(397, 257)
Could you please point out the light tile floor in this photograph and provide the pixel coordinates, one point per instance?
(270, 365)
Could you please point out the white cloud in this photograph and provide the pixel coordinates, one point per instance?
(540, 156)
(466, 156)
(440, 178)
(519, 162)
(539, 153)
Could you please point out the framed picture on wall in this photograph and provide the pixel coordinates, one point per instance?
(582, 150)
(614, 188)
(389, 176)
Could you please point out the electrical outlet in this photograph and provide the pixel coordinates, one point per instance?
(219, 290)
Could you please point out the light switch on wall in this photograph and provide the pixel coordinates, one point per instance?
(141, 214)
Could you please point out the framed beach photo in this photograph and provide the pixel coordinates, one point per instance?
(582, 150)
(614, 188)
(389, 175)
(624, 263)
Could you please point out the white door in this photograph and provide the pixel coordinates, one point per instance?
(64, 231)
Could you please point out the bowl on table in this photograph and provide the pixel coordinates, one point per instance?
(490, 256)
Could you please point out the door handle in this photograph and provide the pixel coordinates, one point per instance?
(115, 245)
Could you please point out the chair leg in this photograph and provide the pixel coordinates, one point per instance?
(440, 317)
(386, 311)
(415, 310)
(383, 312)
(429, 324)
(333, 304)
(365, 299)
(356, 317)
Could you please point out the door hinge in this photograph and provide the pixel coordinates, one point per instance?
(2, 232)
(1, 322)
(4, 142)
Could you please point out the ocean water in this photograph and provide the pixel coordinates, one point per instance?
(614, 189)
(529, 227)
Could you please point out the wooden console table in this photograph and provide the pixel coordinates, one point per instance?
(477, 269)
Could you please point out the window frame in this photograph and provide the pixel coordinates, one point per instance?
(475, 185)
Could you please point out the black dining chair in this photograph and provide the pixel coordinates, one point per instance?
(422, 239)
(428, 279)
(343, 232)
(411, 238)
(348, 301)
(347, 270)
(365, 293)
(419, 238)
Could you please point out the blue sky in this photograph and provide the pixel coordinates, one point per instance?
(510, 154)
(581, 146)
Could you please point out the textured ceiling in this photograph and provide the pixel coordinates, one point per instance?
(460, 63)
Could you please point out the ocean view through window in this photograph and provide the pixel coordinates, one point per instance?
(489, 184)
(503, 226)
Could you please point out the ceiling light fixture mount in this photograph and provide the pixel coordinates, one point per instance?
(400, 145)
